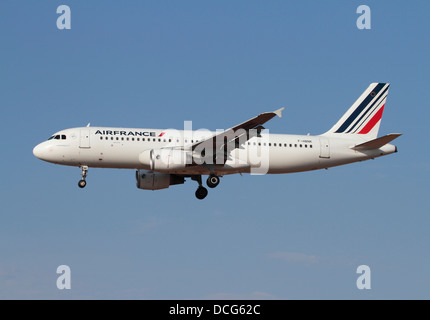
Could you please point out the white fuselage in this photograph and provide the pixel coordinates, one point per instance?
(101, 147)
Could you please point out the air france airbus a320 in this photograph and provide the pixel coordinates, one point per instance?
(163, 158)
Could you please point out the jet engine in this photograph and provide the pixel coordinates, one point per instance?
(165, 159)
(156, 180)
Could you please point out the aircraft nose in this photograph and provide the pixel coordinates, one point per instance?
(37, 152)
(47, 152)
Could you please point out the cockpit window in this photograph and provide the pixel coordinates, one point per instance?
(58, 137)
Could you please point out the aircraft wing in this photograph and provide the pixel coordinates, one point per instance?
(235, 133)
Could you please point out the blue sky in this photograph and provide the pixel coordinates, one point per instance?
(155, 64)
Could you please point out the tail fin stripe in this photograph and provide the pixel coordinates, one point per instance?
(360, 123)
(376, 102)
(361, 107)
(369, 126)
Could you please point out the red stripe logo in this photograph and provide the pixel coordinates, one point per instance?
(369, 126)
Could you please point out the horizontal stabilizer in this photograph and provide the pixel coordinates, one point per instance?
(377, 143)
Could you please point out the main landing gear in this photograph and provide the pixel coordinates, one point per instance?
(212, 181)
(82, 183)
(201, 191)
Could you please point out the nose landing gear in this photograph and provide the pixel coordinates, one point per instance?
(82, 183)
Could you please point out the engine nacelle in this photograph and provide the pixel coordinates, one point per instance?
(165, 159)
(156, 180)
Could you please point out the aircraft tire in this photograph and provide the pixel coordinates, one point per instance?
(82, 183)
(201, 193)
(212, 181)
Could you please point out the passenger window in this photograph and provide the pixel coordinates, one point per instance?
(285, 145)
(111, 138)
(132, 139)
(159, 140)
(170, 140)
(143, 139)
(306, 145)
(259, 143)
(270, 144)
(295, 145)
(122, 138)
(128, 139)
(164, 140)
(300, 146)
(106, 138)
(117, 138)
(291, 145)
(274, 144)
(310, 146)
(153, 139)
(101, 138)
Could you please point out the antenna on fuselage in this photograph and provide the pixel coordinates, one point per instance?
(88, 124)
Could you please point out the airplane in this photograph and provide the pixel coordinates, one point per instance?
(163, 157)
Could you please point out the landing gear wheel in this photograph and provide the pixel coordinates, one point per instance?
(212, 181)
(201, 193)
(82, 183)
